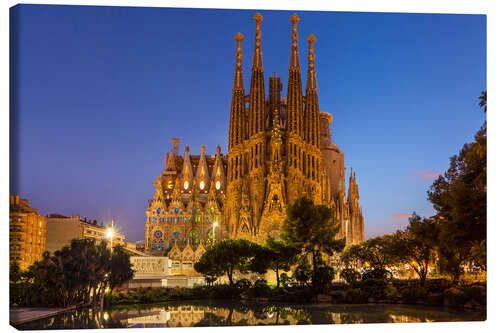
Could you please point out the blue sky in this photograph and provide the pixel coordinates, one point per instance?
(97, 93)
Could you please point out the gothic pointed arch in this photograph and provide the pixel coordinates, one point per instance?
(187, 172)
(218, 174)
(202, 173)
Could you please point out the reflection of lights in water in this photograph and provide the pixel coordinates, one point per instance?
(106, 316)
(270, 314)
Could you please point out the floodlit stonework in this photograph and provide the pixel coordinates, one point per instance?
(280, 148)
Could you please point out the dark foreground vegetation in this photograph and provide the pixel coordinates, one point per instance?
(79, 274)
(438, 292)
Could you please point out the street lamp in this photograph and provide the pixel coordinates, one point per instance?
(213, 229)
(110, 233)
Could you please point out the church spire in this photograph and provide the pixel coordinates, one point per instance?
(353, 192)
(294, 91)
(312, 107)
(257, 90)
(187, 171)
(236, 123)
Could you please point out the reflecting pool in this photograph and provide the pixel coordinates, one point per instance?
(206, 313)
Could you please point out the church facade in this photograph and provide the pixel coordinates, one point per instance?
(279, 149)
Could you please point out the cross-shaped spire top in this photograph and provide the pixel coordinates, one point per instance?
(311, 39)
(239, 37)
(257, 18)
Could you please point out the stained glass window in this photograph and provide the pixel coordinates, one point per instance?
(193, 237)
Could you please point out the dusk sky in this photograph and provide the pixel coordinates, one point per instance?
(98, 92)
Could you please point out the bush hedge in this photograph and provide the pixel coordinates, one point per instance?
(436, 292)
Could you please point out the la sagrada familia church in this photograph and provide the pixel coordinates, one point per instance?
(280, 148)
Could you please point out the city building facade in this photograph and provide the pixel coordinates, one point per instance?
(27, 232)
(279, 149)
(62, 229)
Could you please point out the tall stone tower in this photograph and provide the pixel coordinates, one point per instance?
(280, 148)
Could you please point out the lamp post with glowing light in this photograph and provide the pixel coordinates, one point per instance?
(110, 233)
(213, 229)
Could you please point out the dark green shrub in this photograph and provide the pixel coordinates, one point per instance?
(323, 277)
(454, 296)
(373, 288)
(224, 291)
(355, 296)
(243, 284)
(414, 294)
(285, 280)
(303, 272)
(437, 285)
(304, 294)
(260, 289)
(392, 293)
(476, 293)
(350, 275)
(338, 296)
(435, 298)
(339, 286)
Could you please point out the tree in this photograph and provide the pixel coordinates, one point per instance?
(350, 275)
(459, 197)
(303, 272)
(15, 272)
(482, 100)
(208, 267)
(377, 252)
(121, 268)
(274, 255)
(478, 254)
(313, 230)
(416, 245)
(225, 257)
(78, 273)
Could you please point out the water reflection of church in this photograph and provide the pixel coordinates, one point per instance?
(262, 314)
(279, 148)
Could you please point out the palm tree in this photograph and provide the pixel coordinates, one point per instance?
(482, 100)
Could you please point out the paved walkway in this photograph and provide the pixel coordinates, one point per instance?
(22, 315)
